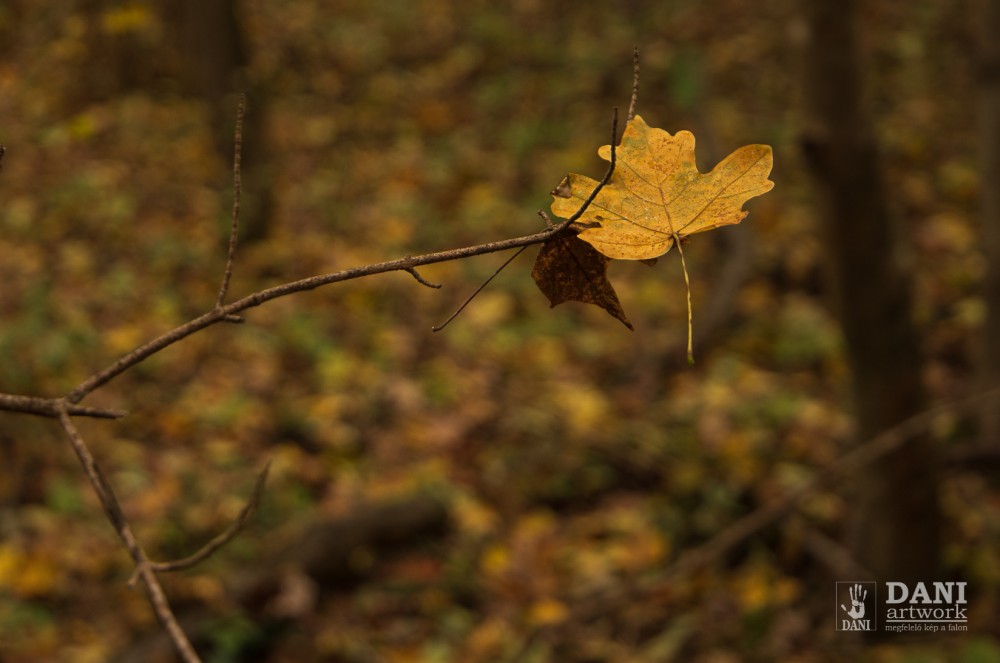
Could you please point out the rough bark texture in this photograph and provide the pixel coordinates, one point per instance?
(989, 117)
(896, 510)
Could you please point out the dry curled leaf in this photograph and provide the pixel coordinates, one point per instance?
(656, 195)
(568, 269)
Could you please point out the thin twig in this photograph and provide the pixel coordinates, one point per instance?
(550, 229)
(607, 175)
(478, 290)
(634, 101)
(51, 407)
(235, 225)
(217, 315)
(113, 511)
(421, 280)
(225, 537)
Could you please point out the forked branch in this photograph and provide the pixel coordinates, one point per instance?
(225, 537)
(112, 509)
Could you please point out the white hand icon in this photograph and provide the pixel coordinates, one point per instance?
(858, 596)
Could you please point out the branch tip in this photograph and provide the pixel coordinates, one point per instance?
(53, 407)
(225, 537)
(634, 101)
(237, 186)
(607, 175)
(421, 280)
(113, 512)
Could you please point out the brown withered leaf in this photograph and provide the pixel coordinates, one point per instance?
(569, 269)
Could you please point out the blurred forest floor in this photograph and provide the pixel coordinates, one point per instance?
(573, 457)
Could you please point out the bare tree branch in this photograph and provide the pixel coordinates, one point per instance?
(235, 227)
(478, 290)
(256, 299)
(113, 510)
(421, 280)
(225, 537)
(51, 407)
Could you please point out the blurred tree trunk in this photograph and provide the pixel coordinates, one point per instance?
(989, 117)
(896, 517)
(210, 62)
(214, 64)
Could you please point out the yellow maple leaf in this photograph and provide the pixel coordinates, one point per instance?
(656, 195)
